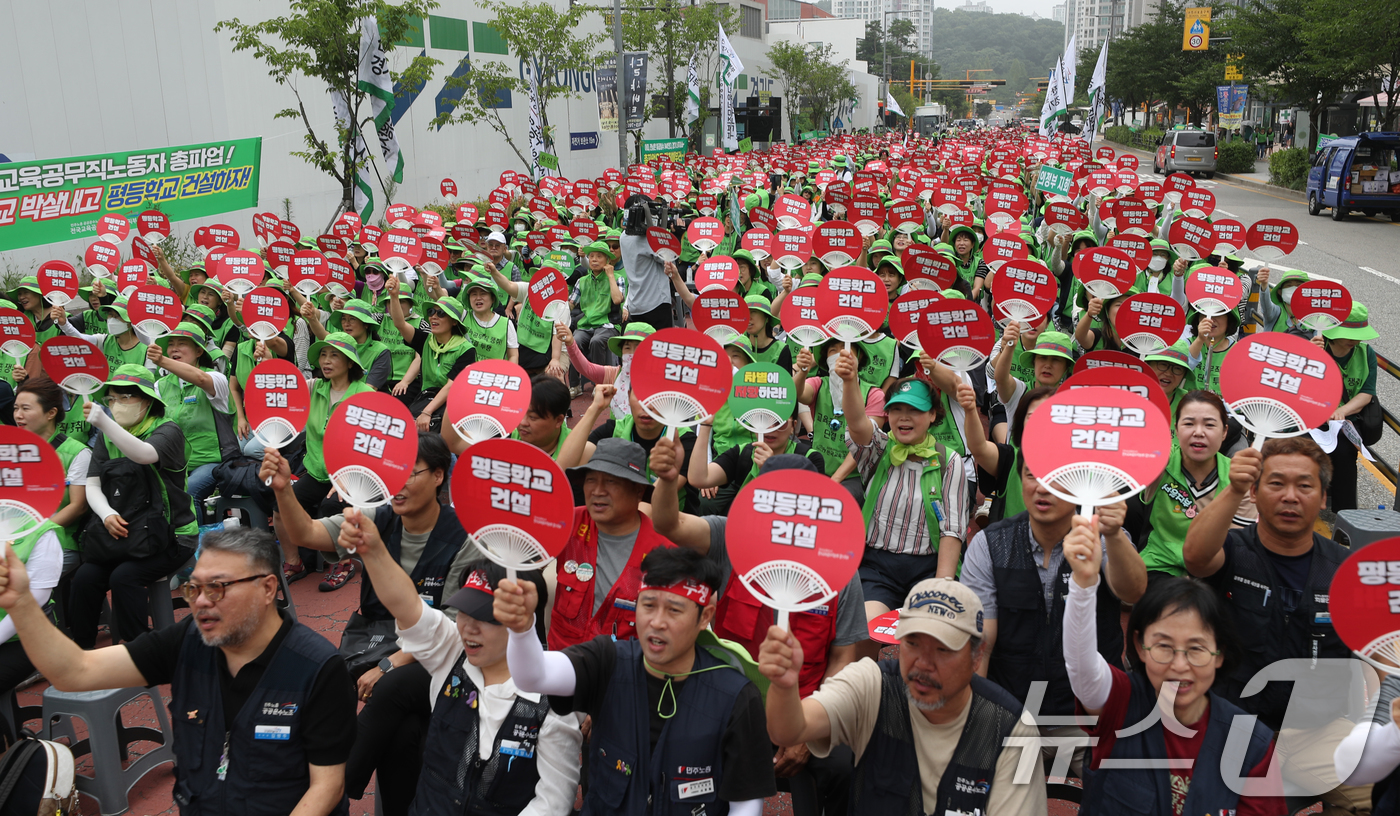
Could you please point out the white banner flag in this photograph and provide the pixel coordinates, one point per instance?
(536, 129)
(692, 91)
(375, 80)
(1069, 62)
(1097, 94)
(891, 105)
(730, 68)
(1054, 106)
(364, 190)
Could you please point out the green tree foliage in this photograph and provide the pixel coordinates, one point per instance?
(546, 40)
(321, 40)
(813, 83)
(1014, 47)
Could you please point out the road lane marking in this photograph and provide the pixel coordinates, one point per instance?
(1380, 275)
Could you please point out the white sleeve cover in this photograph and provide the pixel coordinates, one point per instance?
(534, 669)
(138, 451)
(1089, 675)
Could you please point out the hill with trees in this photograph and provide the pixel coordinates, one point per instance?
(1016, 48)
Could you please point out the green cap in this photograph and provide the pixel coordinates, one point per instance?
(358, 309)
(914, 393)
(193, 332)
(742, 343)
(1049, 344)
(132, 375)
(29, 283)
(1179, 353)
(341, 342)
(632, 331)
(1356, 327)
(760, 304)
(600, 246)
(453, 308)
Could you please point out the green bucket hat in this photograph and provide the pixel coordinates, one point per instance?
(211, 284)
(1049, 344)
(1294, 277)
(117, 308)
(600, 246)
(632, 331)
(27, 283)
(135, 376)
(1178, 353)
(762, 305)
(358, 309)
(742, 343)
(190, 331)
(810, 279)
(914, 393)
(1356, 327)
(341, 342)
(839, 161)
(203, 314)
(185, 273)
(474, 280)
(1232, 321)
(962, 229)
(747, 257)
(452, 308)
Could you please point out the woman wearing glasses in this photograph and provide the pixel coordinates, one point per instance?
(1181, 637)
(143, 526)
(445, 349)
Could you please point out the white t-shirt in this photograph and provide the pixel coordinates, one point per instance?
(45, 567)
(511, 341)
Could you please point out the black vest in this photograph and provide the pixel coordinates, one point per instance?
(1148, 790)
(682, 776)
(1252, 595)
(454, 779)
(430, 573)
(1030, 638)
(267, 767)
(887, 777)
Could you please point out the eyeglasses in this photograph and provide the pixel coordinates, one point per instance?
(436, 313)
(214, 590)
(414, 475)
(1197, 656)
(120, 397)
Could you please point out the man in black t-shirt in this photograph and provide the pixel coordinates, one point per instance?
(262, 709)
(705, 734)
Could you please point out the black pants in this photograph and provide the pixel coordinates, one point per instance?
(823, 786)
(1342, 494)
(128, 581)
(389, 739)
(659, 318)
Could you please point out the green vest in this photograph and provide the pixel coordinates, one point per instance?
(770, 354)
(967, 272)
(316, 420)
(1025, 372)
(24, 546)
(1210, 379)
(205, 428)
(558, 446)
(1013, 503)
(727, 431)
(490, 341)
(1173, 509)
(1356, 371)
(594, 299)
(829, 428)
(758, 286)
(1164, 282)
(436, 366)
(624, 428)
(879, 359)
(190, 527)
(930, 487)
(243, 362)
(533, 331)
(68, 450)
(117, 356)
(945, 430)
(400, 352)
(368, 352)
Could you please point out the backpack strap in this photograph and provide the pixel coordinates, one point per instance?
(13, 766)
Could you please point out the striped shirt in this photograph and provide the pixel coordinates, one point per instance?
(898, 523)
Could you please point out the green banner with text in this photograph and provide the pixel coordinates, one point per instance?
(52, 200)
(675, 148)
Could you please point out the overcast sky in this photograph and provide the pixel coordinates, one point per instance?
(1041, 7)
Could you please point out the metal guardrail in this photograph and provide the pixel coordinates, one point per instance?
(1394, 424)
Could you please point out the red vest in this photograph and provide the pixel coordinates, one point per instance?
(571, 622)
(744, 620)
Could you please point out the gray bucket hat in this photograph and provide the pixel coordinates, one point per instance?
(622, 458)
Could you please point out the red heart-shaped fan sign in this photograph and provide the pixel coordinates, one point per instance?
(1120, 435)
(1134, 217)
(371, 235)
(1179, 183)
(926, 263)
(448, 188)
(467, 214)
(1107, 358)
(401, 215)
(1104, 154)
(1229, 236)
(341, 280)
(402, 244)
(759, 243)
(721, 272)
(998, 249)
(509, 490)
(222, 235)
(308, 272)
(721, 314)
(792, 248)
(1102, 182)
(706, 203)
(852, 303)
(435, 255)
(885, 628)
(1198, 202)
(905, 216)
(488, 399)
(153, 225)
(836, 243)
(680, 376)
(1150, 321)
(799, 317)
(868, 214)
(370, 447)
(34, 477)
(288, 230)
(344, 231)
(154, 309)
(279, 255)
(838, 197)
(1136, 247)
(276, 392)
(548, 294)
(16, 333)
(240, 271)
(666, 246)
(133, 273)
(332, 245)
(957, 333)
(265, 312)
(1024, 291)
(1320, 304)
(1213, 290)
(1106, 272)
(559, 235)
(113, 228)
(1272, 238)
(1129, 380)
(794, 518)
(584, 229)
(763, 219)
(792, 211)
(58, 281)
(1191, 238)
(1151, 192)
(1128, 161)
(1010, 202)
(705, 233)
(78, 366)
(906, 314)
(102, 259)
(1064, 215)
(1361, 601)
(264, 225)
(1275, 369)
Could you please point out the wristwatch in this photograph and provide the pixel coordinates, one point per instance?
(386, 665)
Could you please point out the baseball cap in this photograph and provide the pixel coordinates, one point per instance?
(944, 609)
(914, 393)
(496, 236)
(476, 597)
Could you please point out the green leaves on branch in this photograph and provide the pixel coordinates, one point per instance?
(813, 83)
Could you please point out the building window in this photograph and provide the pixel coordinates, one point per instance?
(751, 23)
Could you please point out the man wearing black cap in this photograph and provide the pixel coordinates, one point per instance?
(498, 749)
(828, 633)
(600, 567)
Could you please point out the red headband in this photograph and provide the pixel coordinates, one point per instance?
(686, 588)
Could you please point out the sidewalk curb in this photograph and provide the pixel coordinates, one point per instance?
(1297, 195)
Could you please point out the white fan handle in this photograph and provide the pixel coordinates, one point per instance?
(783, 620)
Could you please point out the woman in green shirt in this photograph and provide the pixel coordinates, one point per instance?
(39, 408)
(355, 317)
(1357, 360)
(445, 350)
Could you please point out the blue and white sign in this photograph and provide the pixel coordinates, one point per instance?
(583, 141)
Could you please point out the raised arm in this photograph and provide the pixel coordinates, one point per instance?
(1089, 675)
(531, 667)
(393, 586)
(576, 448)
(791, 720)
(301, 528)
(691, 532)
(1204, 549)
(700, 472)
(858, 425)
(391, 288)
(1127, 575)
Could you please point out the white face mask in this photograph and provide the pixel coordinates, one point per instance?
(1157, 264)
(129, 414)
(837, 385)
(116, 325)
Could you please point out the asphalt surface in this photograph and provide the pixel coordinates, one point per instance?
(1364, 254)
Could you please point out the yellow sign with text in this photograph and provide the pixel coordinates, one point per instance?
(1232, 68)
(1197, 34)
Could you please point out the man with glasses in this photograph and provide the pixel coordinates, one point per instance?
(262, 708)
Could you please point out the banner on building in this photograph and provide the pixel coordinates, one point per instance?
(605, 78)
(634, 83)
(44, 202)
(1230, 102)
(675, 148)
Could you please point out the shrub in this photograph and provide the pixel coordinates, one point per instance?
(1289, 168)
(1118, 133)
(1236, 157)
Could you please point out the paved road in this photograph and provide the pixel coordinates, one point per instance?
(1361, 252)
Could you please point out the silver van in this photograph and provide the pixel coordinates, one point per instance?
(1186, 151)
